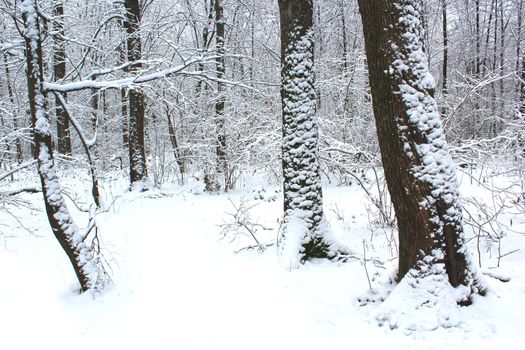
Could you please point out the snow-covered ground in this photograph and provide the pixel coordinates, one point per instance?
(178, 283)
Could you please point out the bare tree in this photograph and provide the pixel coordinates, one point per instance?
(444, 78)
(303, 233)
(81, 251)
(420, 174)
(138, 171)
(220, 102)
(59, 69)
(11, 95)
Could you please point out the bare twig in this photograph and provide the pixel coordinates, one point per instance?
(364, 264)
(18, 168)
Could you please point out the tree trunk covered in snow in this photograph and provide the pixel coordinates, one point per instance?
(420, 174)
(124, 104)
(87, 266)
(59, 69)
(303, 230)
(221, 90)
(137, 155)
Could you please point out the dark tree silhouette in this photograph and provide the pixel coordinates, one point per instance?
(59, 70)
(137, 159)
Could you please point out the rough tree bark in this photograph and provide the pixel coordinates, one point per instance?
(137, 155)
(304, 231)
(420, 174)
(85, 260)
(222, 165)
(124, 103)
(59, 69)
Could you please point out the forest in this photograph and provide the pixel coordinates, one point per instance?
(216, 174)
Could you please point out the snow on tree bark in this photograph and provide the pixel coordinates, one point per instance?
(222, 166)
(303, 234)
(86, 263)
(419, 171)
(137, 155)
(59, 69)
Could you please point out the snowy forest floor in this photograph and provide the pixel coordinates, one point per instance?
(178, 282)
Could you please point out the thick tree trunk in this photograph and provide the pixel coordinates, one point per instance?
(303, 231)
(86, 264)
(137, 155)
(59, 69)
(420, 174)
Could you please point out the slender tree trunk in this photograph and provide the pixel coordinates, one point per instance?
(92, 169)
(124, 100)
(93, 101)
(252, 44)
(343, 27)
(503, 29)
(303, 223)
(520, 84)
(445, 50)
(478, 40)
(10, 93)
(205, 39)
(419, 171)
(175, 145)
(86, 264)
(59, 69)
(487, 37)
(222, 166)
(137, 155)
(319, 49)
(125, 118)
(7, 153)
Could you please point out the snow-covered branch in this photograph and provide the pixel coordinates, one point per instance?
(122, 83)
(86, 144)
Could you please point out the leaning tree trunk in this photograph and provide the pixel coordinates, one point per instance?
(137, 155)
(419, 171)
(87, 265)
(59, 69)
(302, 235)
